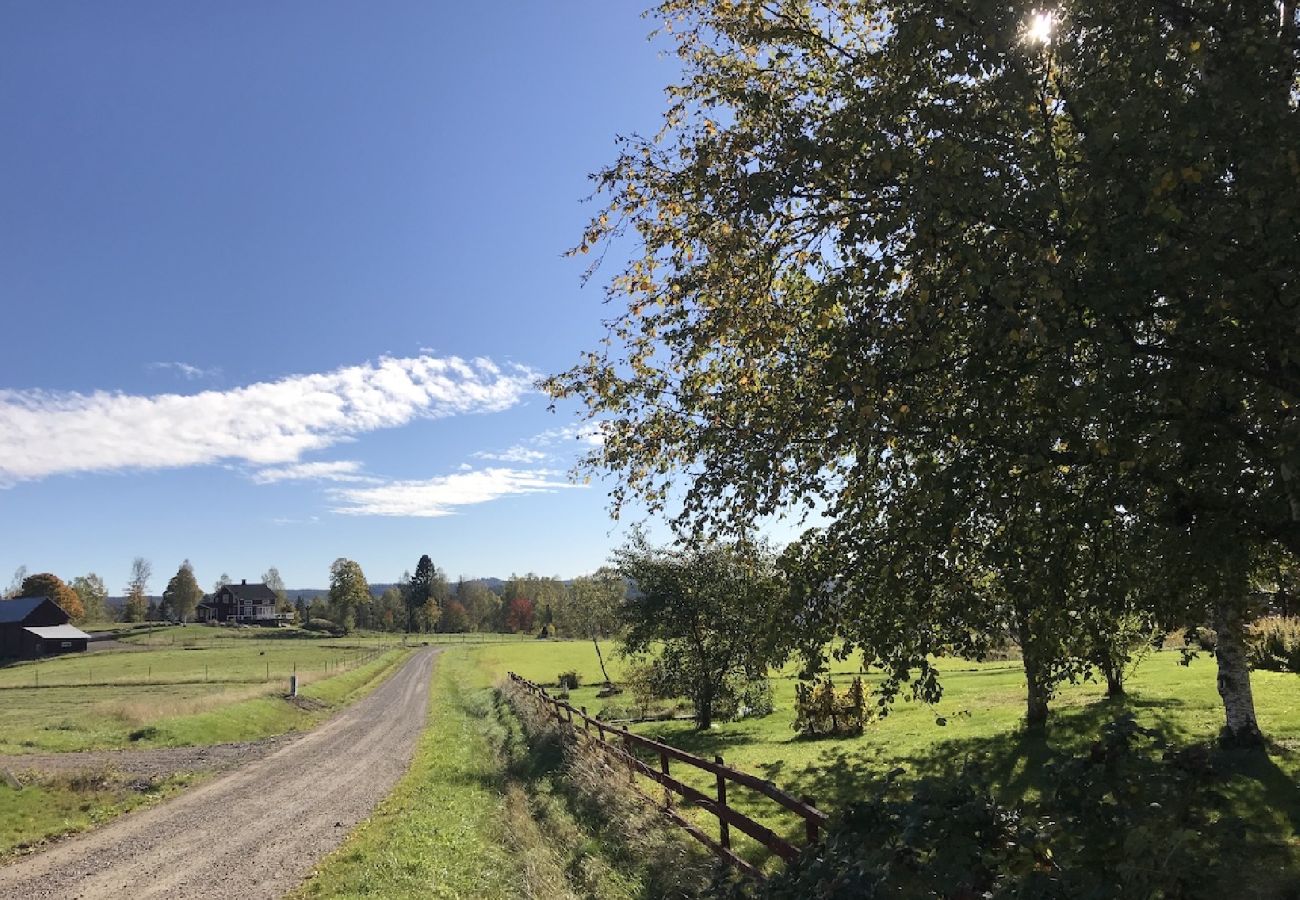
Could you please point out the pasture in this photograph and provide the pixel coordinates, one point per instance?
(190, 687)
(977, 724)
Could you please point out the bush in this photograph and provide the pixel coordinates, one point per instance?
(1274, 644)
(569, 680)
(647, 682)
(325, 625)
(819, 709)
(743, 698)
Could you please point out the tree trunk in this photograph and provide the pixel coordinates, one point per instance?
(601, 657)
(704, 707)
(1038, 693)
(1240, 728)
(1114, 678)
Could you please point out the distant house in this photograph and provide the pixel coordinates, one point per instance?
(37, 626)
(253, 604)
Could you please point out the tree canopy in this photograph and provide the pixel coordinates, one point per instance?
(53, 588)
(709, 609)
(892, 254)
(182, 594)
(349, 592)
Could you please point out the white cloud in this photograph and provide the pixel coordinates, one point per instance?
(588, 434)
(515, 454)
(591, 434)
(189, 372)
(442, 495)
(269, 423)
(341, 470)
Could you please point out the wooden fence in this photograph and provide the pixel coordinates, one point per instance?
(624, 747)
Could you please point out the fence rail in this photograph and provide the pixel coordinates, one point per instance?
(623, 747)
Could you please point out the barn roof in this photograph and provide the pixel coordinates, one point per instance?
(19, 608)
(58, 632)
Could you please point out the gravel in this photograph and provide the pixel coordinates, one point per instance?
(256, 832)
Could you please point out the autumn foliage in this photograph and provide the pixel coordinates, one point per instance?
(519, 614)
(52, 586)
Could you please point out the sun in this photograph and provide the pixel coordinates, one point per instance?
(1039, 30)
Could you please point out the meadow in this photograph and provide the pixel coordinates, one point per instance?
(184, 688)
(976, 724)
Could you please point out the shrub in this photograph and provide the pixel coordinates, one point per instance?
(819, 709)
(742, 697)
(325, 625)
(647, 682)
(1274, 644)
(569, 680)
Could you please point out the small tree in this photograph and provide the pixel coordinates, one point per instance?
(454, 618)
(711, 609)
(519, 615)
(94, 597)
(349, 593)
(589, 609)
(15, 588)
(182, 595)
(52, 587)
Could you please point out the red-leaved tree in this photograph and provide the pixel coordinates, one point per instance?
(519, 614)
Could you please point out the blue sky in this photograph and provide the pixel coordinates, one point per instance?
(276, 277)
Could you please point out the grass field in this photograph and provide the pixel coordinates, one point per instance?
(171, 695)
(978, 721)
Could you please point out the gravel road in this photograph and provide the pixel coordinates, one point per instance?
(255, 833)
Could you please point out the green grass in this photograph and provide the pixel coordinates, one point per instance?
(979, 718)
(110, 714)
(55, 807)
(440, 832)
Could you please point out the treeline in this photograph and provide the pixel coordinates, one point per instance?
(427, 602)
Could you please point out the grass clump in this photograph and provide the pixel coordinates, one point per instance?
(1275, 644)
(48, 807)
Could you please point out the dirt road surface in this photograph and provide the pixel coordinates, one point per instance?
(256, 832)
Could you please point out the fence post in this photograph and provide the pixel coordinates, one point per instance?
(812, 829)
(586, 722)
(663, 767)
(627, 748)
(724, 829)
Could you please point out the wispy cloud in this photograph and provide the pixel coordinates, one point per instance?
(264, 424)
(542, 447)
(189, 372)
(515, 454)
(340, 470)
(442, 495)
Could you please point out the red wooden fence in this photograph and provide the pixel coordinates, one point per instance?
(623, 746)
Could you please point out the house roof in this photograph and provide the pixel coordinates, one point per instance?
(58, 632)
(257, 592)
(19, 608)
